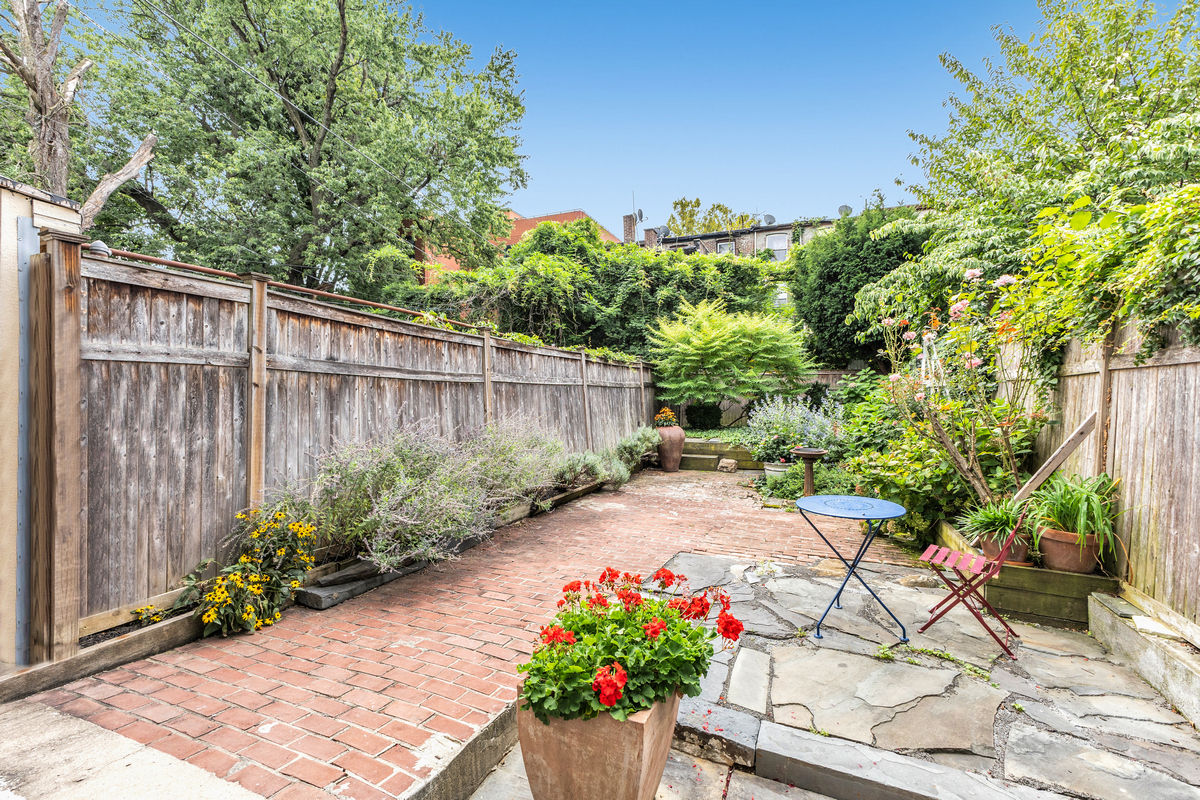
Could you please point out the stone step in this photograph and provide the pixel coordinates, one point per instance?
(699, 462)
(846, 770)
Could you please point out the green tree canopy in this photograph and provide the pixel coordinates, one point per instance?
(825, 275)
(565, 285)
(687, 219)
(706, 354)
(1099, 103)
(297, 137)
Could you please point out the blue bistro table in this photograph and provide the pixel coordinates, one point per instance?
(872, 511)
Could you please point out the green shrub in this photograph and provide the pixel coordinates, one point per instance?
(704, 415)
(414, 495)
(631, 449)
(578, 469)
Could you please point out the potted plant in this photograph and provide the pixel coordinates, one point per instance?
(670, 449)
(602, 688)
(1075, 522)
(988, 526)
(775, 453)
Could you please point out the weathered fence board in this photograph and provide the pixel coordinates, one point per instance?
(1153, 417)
(168, 451)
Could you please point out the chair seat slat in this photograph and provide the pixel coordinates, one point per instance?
(933, 548)
(941, 555)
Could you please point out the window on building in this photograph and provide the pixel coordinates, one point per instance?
(724, 247)
(778, 243)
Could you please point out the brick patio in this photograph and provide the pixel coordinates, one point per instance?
(363, 700)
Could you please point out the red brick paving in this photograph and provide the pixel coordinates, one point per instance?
(359, 699)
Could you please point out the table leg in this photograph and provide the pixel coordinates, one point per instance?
(852, 569)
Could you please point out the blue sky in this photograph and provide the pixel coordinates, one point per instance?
(789, 108)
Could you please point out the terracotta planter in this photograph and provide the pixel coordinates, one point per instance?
(597, 759)
(1018, 556)
(1060, 551)
(670, 449)
(775, 468)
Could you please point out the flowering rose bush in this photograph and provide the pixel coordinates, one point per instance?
(612, 648)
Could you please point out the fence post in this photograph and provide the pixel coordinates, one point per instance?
(587, 415)
(488, 410)
(256, 391)
(56, 433)
(1105, 401)
(642, 386)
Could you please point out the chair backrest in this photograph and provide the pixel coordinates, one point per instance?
(1012, 537)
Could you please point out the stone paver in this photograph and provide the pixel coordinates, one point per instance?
(371, 697)
(749, 682)
(1069, 764)
(752, 787)
(947, 696)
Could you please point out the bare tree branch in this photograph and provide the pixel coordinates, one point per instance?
(113, 180)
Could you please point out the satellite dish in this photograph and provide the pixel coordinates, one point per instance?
(768, 219)
(845, 210)
(663, 231)
(639, 215)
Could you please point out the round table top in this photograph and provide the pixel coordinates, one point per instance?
(850, 507)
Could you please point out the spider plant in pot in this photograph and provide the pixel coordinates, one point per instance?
(1075, 522)
(988, 526)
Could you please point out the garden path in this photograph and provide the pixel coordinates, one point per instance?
(370, 698)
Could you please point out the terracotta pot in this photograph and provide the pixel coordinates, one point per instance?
(597, 759)
(1060, 551)
(1018, 556)
(670, 449)
(775, 468)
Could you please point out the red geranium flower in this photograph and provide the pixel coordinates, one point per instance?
(665, 578)
(679, 604)
(573, 586)
(629, 598)
(609, 576)
(557, 635)
(654, 627)
(698, 608)
(608, 683)
(598, 601)
(729, 627)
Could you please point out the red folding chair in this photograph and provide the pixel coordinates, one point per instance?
(973, 572)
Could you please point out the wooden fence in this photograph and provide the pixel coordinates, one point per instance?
(197, 395)
(1148, 430)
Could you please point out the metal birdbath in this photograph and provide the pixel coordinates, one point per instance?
(810, 455)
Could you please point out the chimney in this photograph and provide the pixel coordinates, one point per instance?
(629, 228)
(651, 238)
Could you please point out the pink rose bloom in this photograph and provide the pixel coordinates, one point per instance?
(920, 356)
(974, 274)
(888, 322)
(929, 336)
(893, 377)
(919, 396)
(973, 362)
(910, 335)
(958, 308)
(1005, 280)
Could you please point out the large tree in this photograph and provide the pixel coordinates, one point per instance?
(1100, 103)
(29, 55)
(825, 275)
(298, 137)
(687, 219)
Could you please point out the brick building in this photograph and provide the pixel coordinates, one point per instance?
(742, 242)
